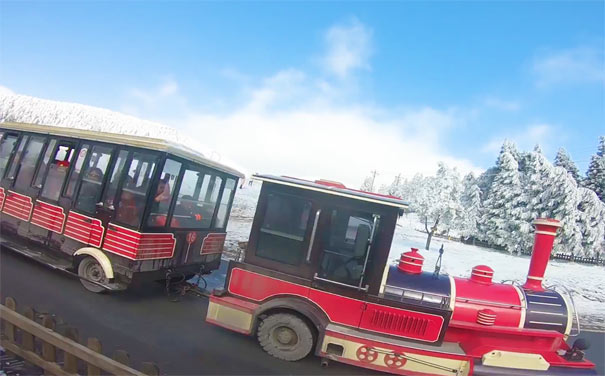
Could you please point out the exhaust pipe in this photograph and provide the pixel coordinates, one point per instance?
(546, 230)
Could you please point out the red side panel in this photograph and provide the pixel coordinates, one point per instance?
(213, 243)
(472, 297)
(259, 287)
(18, 206)
(2, 196)
(48, 216)
(401, 322)
(339, 309)
(84, 229)
(137, 246)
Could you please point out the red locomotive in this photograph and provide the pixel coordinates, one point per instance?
(316, 278)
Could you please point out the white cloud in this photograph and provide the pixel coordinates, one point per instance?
(575, 65)
(151, 96)
(5, 91)
(541, 134)
(299, 124)
(348, 47)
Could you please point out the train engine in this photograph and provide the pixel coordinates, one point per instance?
(316, 278)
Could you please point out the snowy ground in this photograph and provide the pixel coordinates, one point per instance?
(586, 282)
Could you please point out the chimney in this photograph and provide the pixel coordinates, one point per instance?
(546, 230)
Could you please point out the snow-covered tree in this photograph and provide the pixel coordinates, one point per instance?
(470, 200)
(436, 200)
(368, 183)
(536, 177)
(595, 176)
(501, 219)
(564, 160)
(591, 222)
(563, 201)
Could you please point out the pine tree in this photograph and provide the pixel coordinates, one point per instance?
(563, 160)
(595, 176)
(470, 201)
(591, 222)
(501, 216)
(536, 177)
(563, 201)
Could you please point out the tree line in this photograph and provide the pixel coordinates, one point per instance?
(499, 205)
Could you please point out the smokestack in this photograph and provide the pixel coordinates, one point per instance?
(546, 230)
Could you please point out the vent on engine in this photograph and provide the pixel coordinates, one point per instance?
(398, 323)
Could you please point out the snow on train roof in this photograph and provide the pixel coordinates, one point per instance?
(334, 188)
(77, 120)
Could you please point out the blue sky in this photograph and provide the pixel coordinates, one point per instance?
(326, 89)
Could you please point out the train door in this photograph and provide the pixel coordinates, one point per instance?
(342, 263)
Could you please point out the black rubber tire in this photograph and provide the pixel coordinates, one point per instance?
(90, 265)
(274, 331)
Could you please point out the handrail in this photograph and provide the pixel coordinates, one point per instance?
(313, 235)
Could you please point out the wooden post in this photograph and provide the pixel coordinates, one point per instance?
(9, 329)
(70, 362)
(122, 357)
(95, 345)
(49, 352)
(27, 338)
(150, 369)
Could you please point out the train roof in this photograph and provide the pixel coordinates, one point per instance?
(125, 139)
(334, 188)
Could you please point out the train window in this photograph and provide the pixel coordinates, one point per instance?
(283, 230)
(77, 169)
(50, 149)
(163, 197)
(223, 209)
(92, 178)
(6, 149)
(57, 170)
(133, 195)
(28, 162)
(196, 200)
(114, 180)
(345, 246)
(12, 169)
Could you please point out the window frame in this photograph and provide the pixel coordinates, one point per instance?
(160, 160)
(11, 156)
(302, 270)
(29, 185)
(76, 195)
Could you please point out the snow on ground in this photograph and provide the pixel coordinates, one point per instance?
(25, 109)
(586, 282)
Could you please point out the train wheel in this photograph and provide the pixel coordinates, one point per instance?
(285, 336)
(90, 268)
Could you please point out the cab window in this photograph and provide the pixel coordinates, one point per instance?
(345, 246)
(92, 178)
(135, 187)
(164, 193)
(282, 233)
(27, 164)
(7, 145)
(196, 199)
(223, 209)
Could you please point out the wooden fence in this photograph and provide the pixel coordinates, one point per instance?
(42, 346)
